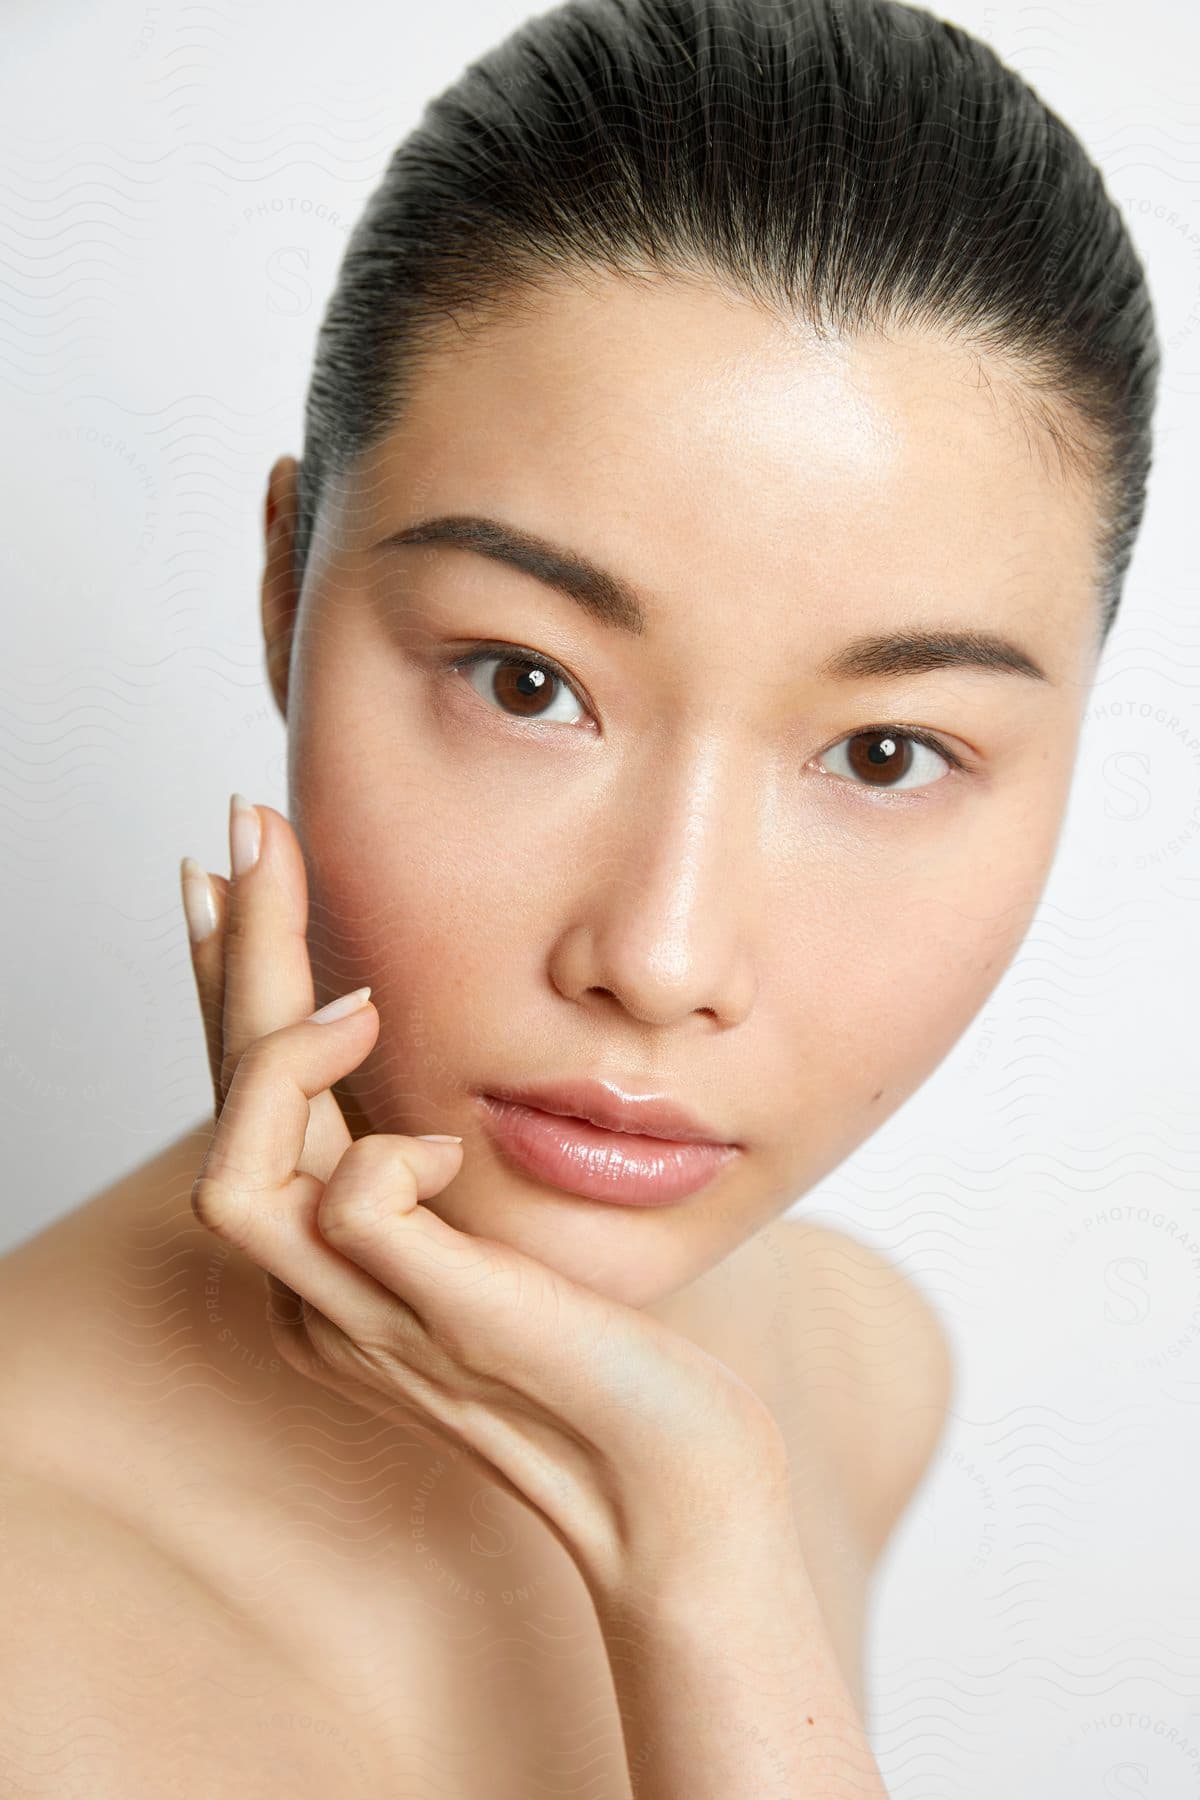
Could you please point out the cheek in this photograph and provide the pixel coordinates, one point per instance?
(909, 958)
(444, 929)
(433, 885)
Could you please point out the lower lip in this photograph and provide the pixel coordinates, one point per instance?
(584, 1159)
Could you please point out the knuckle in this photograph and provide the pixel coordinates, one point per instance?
(216, 1206)
(347, 1216)
(361, 1195)
(379, 1153)
(206, 1199)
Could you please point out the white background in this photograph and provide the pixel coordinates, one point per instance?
(182, 179)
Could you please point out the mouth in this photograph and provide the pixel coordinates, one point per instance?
(577, 1155)
(615, 1109)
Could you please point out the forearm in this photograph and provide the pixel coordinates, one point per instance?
(728, 1685)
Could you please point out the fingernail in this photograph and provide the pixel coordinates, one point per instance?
(245, 834)
(338, 1009)
(438, 1137)
(199, 901)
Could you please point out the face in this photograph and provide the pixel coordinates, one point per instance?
(696, 859)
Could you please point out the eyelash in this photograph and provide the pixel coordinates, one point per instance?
(492, 650)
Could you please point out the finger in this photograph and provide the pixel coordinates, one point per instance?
(205, 904)
(317, 1273)
(255, 1147)
(204, 910)
(268, 975)
(268, 979)
(250, 1191)
(369, 1211)
(489, 1306)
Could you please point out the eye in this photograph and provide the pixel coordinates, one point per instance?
(523, 684)
(888, 759)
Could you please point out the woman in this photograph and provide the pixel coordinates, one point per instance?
(725, 447)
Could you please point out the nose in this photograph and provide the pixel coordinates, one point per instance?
(662, 917)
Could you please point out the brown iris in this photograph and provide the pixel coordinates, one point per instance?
(874, 755)
(521, 691)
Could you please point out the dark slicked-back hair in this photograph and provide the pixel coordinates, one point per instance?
(855, 164)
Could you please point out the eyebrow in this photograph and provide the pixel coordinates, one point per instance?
(615, 603)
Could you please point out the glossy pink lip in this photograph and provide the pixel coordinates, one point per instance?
(602, 1103)
(572, 1154)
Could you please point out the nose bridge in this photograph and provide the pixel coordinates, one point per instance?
(669, 930)
(684, 839)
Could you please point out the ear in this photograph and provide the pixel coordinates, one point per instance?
(280, 594)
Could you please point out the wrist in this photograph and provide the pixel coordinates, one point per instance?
(698, 1524)
(681, 1564)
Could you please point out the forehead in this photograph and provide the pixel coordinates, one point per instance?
(696, 442)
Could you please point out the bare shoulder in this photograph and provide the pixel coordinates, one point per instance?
(122, 1673)
(83, 1597)
(873, 1364)
(66, 1561)
(72, 1303)
(84, 1588)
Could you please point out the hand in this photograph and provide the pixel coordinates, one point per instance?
(630, 1441)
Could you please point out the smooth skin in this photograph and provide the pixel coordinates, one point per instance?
(677, 877)
(663, 1475)
(584, 1407)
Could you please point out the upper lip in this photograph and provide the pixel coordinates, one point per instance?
(615, 1109)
